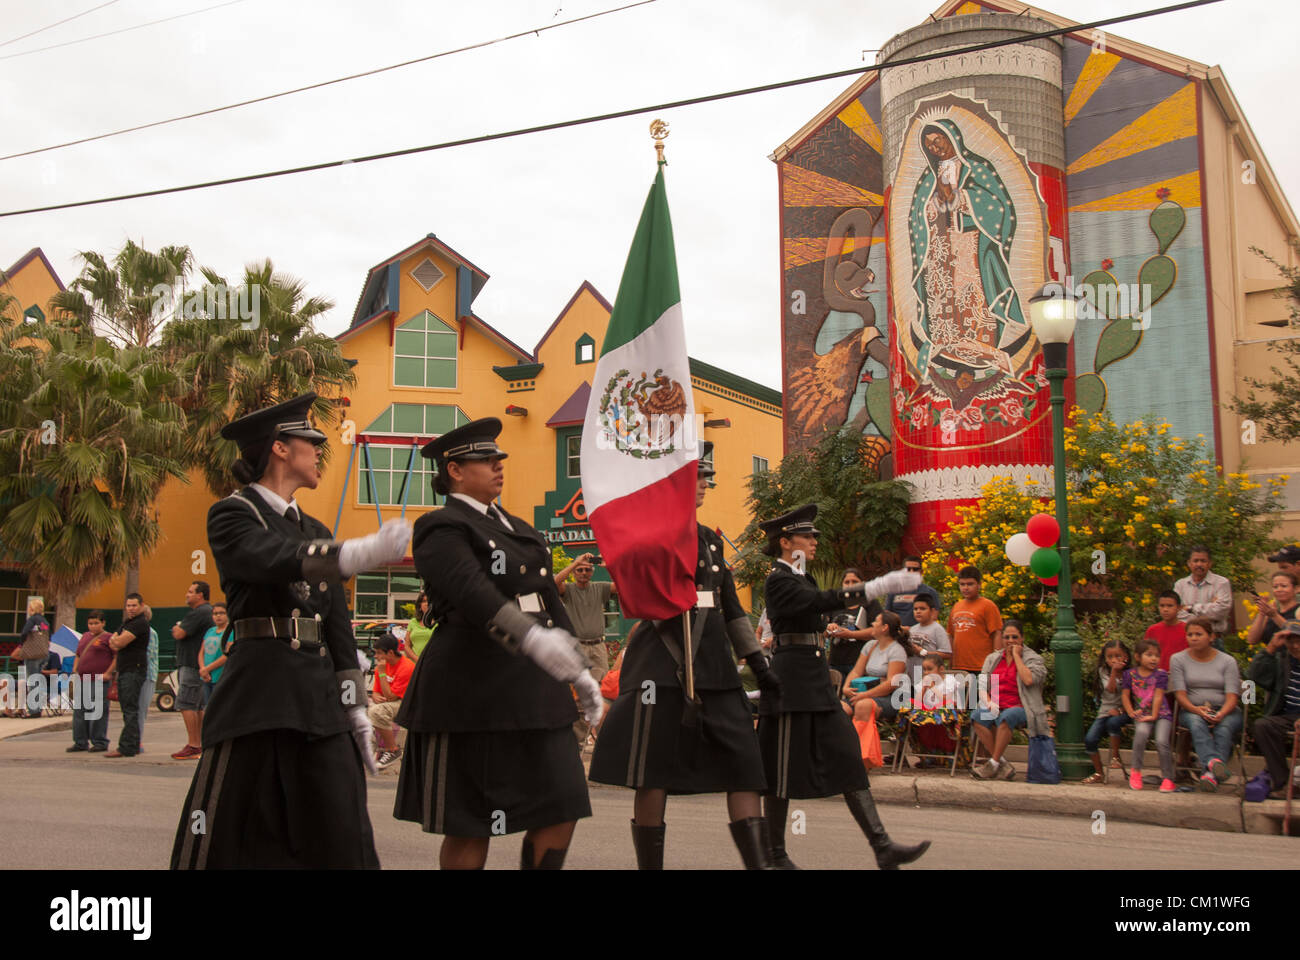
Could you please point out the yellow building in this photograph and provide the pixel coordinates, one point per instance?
(426, 363)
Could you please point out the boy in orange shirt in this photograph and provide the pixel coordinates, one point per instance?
(392, 674)
(974, 623)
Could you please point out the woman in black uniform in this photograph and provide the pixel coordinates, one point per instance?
(809, 745)
(285, 734)
(489, 712)
(657, 743)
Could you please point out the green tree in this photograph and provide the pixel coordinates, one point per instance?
(126, 299)
(79, 457)
(230, 366)
(861, 517)
(1274, 404)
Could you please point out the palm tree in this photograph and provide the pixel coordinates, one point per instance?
(230, 367)
(80, 459)
(130, 299)
(127, 301)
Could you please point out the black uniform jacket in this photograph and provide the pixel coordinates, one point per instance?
(266, 571)
(795, 605)
(466, 679)
(648, 658)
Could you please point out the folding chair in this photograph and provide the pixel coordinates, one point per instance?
(908, 730)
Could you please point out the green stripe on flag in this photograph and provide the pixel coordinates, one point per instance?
(649, 284)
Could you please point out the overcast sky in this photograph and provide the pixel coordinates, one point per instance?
(539, 214)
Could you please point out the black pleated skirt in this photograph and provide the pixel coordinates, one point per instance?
(645, 744)
(486, 784)
(810, 755)
(277, 799)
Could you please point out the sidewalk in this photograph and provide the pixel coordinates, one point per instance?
(1224, 811)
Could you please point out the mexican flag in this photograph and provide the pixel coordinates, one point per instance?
(640, 447)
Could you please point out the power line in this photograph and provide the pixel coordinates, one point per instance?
(58, 23)
(113, 33)
(618, 114)
(324, 83)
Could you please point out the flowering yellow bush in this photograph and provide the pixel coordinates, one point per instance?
(1138, 499)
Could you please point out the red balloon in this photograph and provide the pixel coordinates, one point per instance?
(1051, 581)
(1043, 529)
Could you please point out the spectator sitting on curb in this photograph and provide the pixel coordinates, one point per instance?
(1014, 676)
(1144, 691)
(883, 662)
(1207, 685)
(1111, 717)
(392, 674)
(1273, 670)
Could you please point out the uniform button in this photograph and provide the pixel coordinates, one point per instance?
(296, 613)
(322, 651)
(818, 652)
(541, 572)
(550, 623)
(318, 618)
(701, 563)
(715, 568)
(294, 644)
(322, 586)
(713, 547)
(492, 544)
(311, 550)
(522, 569)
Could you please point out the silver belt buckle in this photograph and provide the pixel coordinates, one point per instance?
(530, 602)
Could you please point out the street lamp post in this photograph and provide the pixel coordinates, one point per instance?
(1052, 314)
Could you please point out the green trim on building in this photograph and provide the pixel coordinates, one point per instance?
(520, 371)
(731, 381)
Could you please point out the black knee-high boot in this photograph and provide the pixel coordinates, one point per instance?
(552, 859)
(752, 840)
(776, 809)
(889, 855)
(648, 842)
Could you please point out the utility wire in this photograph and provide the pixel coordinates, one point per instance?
(324, 83)
(113, 33)
(618, 114)
(57, 23)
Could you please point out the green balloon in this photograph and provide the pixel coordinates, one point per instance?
(1046, 562)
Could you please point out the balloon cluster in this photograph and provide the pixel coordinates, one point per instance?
(1036, 548)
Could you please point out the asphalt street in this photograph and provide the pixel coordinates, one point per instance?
(94, 813)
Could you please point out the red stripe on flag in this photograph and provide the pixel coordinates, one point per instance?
(650, 552)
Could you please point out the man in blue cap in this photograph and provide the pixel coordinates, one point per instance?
(281, 782)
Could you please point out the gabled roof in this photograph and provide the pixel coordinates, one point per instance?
(376, 274)
(35, 253)
(1114, 44)
(1214, 79)
(585, 285)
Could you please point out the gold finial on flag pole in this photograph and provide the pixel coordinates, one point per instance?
(659, 130)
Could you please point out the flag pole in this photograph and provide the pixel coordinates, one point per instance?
(659, 131)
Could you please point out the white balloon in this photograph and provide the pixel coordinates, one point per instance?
(1019, 549)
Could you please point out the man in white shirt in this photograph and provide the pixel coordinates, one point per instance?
(1203, 593)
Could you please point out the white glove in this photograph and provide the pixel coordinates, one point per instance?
(554, 650)
(593, 704)
(896, 581)
(386, 546)
(364, 736)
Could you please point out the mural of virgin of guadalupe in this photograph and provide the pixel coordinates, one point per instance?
(970, 328)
